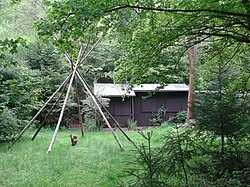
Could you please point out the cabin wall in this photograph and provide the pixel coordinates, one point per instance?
(174, 102)
(143, 109)
(121, 110)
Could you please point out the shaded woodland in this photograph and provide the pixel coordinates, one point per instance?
(201, 43)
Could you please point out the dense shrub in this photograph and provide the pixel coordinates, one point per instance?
(222, 114)
(8, 124)
(159, 117)
(91, 112)
(180, 117)
(162, 165)
(147, 166)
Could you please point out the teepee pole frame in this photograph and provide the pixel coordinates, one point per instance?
(47, 115)
(100, 110)
(96, 101)
(106, 110)
(41, 109)
(69, 81)
(75, 86)
(64, 103)
(70, 61)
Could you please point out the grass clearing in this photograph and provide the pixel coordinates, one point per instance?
(96, 160)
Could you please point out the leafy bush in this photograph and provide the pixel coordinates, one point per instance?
(91, 112)
(90, 125)
(222, 115)
(160, 116)
(181, 117)
(188, 159)
(8, 124)
(132, 125)
(168, 124)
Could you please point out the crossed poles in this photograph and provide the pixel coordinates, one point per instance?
(69, 80)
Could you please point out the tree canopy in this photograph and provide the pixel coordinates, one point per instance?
(153, 34)
(145, 41)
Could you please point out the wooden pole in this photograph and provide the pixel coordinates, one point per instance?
(62, 110)
(100, 110)
(51, 109)
(85, 56)
(85, 49)
(79, 108)
(80, 59)
(30, 122)
(106, 110)
(76, 92)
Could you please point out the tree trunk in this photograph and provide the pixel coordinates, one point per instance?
(190, 112)
(192, 59)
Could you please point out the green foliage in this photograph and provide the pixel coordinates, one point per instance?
(179, 150)
(15, 1)
(148, 164)
(180, 117)
(18, 87)
(100, 62)
(177, 120)
(225, 102)
(18, 17)
(91, 112)
(162, 165)
(159, 117)
(43, 59)
(153, 35)
(18, 91)
(49, 71)
(8, 124)
(132, 125)
(14, 85)
(168, 124)
(91, 125)
(41, 56)
(90, 108)
(222, 114)
(8, 48)
(187, 159)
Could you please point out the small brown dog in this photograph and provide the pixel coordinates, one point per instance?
(73, 139)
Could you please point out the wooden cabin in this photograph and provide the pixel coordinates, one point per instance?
(143, 102)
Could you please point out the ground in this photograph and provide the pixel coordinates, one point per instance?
(95, 161)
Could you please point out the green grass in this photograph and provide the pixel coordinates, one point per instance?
(95, 161)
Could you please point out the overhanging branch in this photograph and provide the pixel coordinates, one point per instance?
(237, 38)
(177, 10)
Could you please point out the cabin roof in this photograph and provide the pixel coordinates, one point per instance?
(112, 90)
(116, 90)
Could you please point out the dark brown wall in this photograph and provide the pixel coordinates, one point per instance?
(144, 108)
(121, 110)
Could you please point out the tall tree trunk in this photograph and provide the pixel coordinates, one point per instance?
(192, 59)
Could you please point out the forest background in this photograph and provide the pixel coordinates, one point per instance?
(143, 42)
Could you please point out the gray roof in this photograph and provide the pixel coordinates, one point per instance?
(115, 90)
